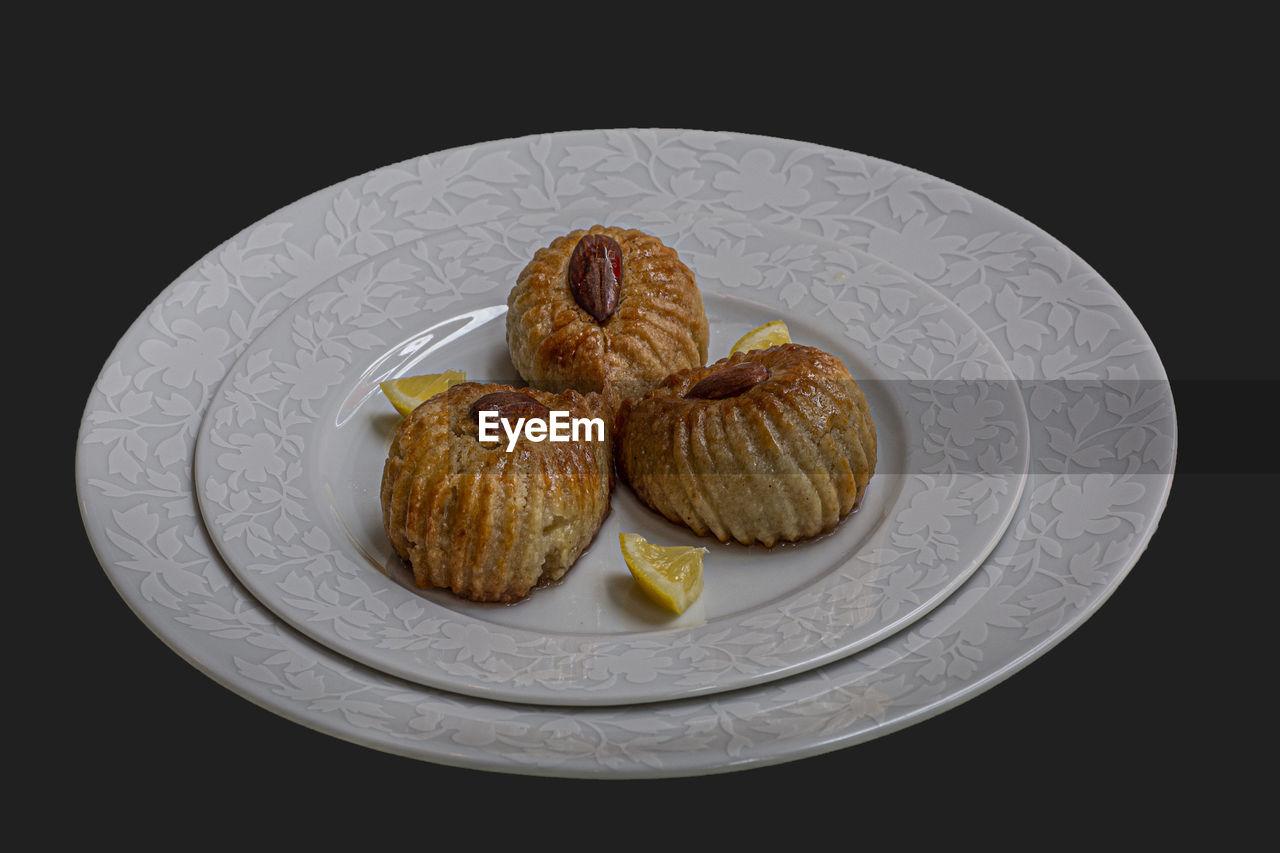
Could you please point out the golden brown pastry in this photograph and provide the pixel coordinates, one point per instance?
(488, 523)
(766, 446)
(605, 306)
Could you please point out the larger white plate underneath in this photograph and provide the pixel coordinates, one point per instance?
(1103, 446)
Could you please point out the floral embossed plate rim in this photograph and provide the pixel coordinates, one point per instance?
(1018, 282)
(289, 462)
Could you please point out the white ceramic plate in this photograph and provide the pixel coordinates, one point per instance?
(289, 464)
(1102, 429)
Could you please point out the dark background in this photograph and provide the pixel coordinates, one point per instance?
(1142, 155)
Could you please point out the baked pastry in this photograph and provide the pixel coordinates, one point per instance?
(492, 520)
(605, 306)
(763, 446)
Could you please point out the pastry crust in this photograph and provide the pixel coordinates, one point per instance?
(489, 524)
(658, 327)
(785, 460)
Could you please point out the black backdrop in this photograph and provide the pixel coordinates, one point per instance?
(1140, 163)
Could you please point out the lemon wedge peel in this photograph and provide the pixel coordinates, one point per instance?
(409, 392)
(670, 575)
(771, 334)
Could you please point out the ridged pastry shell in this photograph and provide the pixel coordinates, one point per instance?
(784, 460)
(488, 524)
(658, 327)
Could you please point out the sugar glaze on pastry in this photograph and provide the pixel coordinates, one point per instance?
(489, 524)
(627, 320)
(766, 446)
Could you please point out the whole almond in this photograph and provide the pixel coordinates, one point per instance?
(595, 275)
(510, 405)
(730, 381)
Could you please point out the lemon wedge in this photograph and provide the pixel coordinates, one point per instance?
(771, 334)
(671, 575)
(408, 392)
